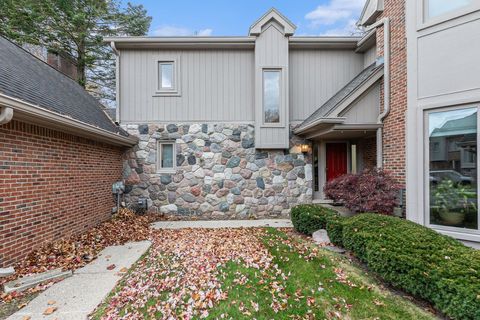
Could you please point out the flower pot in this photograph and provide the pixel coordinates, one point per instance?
(452, 218)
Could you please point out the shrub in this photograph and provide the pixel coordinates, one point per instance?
(370, 191)
(308, 218)
(419, 260)
(334, 229)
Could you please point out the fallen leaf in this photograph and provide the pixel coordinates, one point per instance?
(50, 302)
(111, 267)
(49, 311)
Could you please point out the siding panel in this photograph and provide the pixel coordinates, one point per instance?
(317, 75)
(215, 85)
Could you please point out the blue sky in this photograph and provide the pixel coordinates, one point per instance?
(233, 18)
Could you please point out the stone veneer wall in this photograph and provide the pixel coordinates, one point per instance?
(219, 173)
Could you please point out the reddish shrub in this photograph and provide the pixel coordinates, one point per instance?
(373, 190)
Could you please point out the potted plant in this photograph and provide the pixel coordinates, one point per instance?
(452, 202)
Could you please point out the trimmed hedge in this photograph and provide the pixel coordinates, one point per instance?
(308, 218)
(414, 258)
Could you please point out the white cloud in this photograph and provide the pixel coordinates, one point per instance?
(336, 11)
(348, 29)
(171, 31)
(205, 32)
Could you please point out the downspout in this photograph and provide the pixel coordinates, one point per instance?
(6, 115)
(385, 22)
(117, 81)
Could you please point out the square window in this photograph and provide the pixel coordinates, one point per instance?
(166, 156)
(166, 75)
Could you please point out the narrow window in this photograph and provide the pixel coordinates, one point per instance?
(166, 72)
(452, 168)
(271, 96)
(166, 156)
(437, 8)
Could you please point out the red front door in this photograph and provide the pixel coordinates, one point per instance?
(336, 160)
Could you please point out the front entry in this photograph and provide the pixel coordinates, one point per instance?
(336, 160)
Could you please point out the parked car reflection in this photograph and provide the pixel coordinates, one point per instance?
(452, 175)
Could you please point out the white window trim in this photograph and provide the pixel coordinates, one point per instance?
(175, 90)
(160, 169)
(281, 123)
(456, 232)
(423, 21)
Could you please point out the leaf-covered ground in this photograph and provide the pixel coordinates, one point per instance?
(248, 274)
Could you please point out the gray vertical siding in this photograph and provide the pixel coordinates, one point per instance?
(316, 75)
(214, 85)
(369, 56)
(366, 109)
(271, 51)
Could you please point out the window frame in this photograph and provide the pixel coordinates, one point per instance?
(175, 89)
(161, 169)
(424, 21)
(280, 123)
(465, 232)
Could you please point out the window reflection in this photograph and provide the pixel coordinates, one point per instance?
(453, 168)
(271, 96)
(439, 7)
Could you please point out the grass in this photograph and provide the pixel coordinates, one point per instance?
(312, 288)
(306, 282)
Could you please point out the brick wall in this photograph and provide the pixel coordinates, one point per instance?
(394, 124)
(51, 185)
(369, 152)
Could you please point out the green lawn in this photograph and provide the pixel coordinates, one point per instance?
(302, 282)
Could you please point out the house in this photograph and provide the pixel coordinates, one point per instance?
(232, 127)
(443, 51)
(59, 155)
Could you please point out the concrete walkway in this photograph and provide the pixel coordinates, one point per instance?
(210, 224)
(76, 297)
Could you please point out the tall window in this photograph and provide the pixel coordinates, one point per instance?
(166, 74)
(453, 168)
(166, 156)
(435, 8)
(271, 96)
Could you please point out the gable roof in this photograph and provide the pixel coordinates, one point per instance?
(370, 12)
(355, 87)
(273, 14)
(26, 78)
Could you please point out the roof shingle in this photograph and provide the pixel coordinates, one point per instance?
(27, 78)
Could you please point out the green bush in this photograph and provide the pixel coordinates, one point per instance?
(419, 260)
(309, 218)
(335, 229)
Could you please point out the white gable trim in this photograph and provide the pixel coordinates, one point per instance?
(288, 27)
(371, 11)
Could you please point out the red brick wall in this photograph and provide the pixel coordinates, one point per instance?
(369, 152)
(394, 124)
(51, 185)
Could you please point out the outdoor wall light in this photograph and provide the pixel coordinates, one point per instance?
(304, 147)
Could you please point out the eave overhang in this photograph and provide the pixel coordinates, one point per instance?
(27, 112)
(227, 42)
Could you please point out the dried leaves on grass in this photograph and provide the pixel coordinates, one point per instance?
(180, 278)
(76, 251)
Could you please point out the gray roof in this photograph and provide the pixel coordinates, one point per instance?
(25, 77)
(346, 91)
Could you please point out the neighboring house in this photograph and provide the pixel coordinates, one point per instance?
(442, 118)
(59, 155)
(246, 126)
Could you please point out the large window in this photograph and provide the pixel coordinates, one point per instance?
(436, 8)
(271, 96)
(452, 165)
(166, 156)
(166, 76)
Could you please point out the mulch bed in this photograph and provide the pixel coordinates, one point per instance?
(76, 251)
